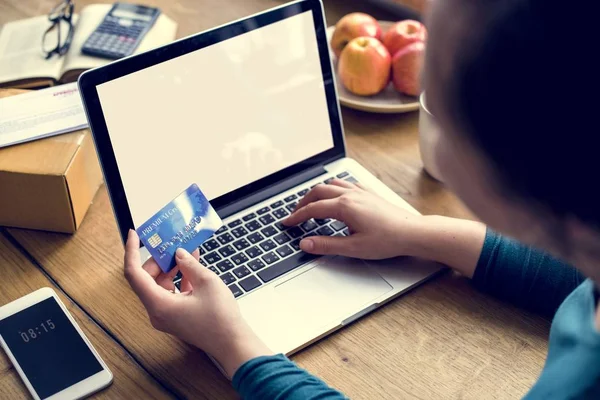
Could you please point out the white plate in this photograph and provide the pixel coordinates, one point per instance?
(388, 101)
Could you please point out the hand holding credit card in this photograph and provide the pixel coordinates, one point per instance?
(186, 221)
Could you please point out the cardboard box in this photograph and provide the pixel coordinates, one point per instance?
(48, 184)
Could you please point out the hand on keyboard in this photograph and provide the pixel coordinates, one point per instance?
(205, 313)
(378, 228)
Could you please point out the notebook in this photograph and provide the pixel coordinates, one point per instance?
(23, 64)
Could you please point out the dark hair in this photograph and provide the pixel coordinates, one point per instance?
(527, 94)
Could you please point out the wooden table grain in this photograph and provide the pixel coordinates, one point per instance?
(443, 340)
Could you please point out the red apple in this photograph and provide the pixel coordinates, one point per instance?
(352, 26)
(406, 68)
(364, 66)
(404, 33)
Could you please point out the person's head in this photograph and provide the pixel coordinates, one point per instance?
(512, 85)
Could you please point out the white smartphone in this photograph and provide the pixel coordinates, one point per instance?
(48, 349)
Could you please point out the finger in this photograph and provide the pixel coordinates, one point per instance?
(186, 286)
(140, 281)
(336, 245)
(343, 183)
(195, 272)
(152, 268)
(165, 281)
(321, 209)
(320, 192)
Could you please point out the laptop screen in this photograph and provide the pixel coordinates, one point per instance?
(222, 116)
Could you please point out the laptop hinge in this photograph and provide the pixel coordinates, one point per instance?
(271, 191)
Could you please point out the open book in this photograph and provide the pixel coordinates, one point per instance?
(22, 62)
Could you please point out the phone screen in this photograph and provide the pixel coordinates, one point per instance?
(48, 348)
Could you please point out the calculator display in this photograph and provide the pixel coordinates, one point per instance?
(132, 12)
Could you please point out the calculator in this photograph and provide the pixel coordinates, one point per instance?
(121, 31)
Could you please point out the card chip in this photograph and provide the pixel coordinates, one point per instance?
(154, 240)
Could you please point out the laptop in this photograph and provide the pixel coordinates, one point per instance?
(249, 112)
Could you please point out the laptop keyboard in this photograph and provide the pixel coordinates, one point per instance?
(257, 248)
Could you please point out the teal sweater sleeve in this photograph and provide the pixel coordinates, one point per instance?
(276, 377)
(523, 275)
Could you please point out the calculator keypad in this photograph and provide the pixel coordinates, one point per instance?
(114, 38)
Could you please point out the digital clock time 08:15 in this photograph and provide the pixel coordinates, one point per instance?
(34, 333)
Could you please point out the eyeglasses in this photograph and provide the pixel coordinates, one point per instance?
(58, 37)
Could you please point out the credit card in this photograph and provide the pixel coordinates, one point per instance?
(187, 221)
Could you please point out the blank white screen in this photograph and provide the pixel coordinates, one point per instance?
(222, 117)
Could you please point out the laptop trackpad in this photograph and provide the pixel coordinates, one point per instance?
(334, 289)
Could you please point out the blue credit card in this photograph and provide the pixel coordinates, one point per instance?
(187, 221)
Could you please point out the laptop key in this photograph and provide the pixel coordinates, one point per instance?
(237, 292)
(225, 265)
(342, 175)
(281, 238)
(327, 181)
(201, 261)
(254, 252)
(221, 230)
(269, 231)
(295, 244)
(255, 265)
(270, 258)
(292, 206)
(241, 244)
(309, 225)
(253, 225)
(241, 272)
(249, 217)
(346, 232)
(339, 234)
(322, 221)
(212, 258)
(325, 231)
(267, 219)
(280, 213)
(268, 245)
(284, 251)
(211, 244)
(255, 238)
(239, 232)
(250, 283)
(303, 192)
(225, 238)
(202, 251)
(227, 278)
(263, 210)
(295, 232)
(277, 204)
(352, 179)
(178, 285)
(286, 265)
(239, 258)
(227, 250)
(338, 225)
(280, 226)
(290, 198)
(235, 223)
(213, 269)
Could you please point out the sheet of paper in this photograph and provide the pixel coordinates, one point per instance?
(41, 113)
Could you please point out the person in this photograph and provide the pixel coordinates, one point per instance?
(519, 153)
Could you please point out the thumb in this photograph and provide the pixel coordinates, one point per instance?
(334, 245)
(190, 268)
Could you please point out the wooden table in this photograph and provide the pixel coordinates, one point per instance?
(442, 340)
